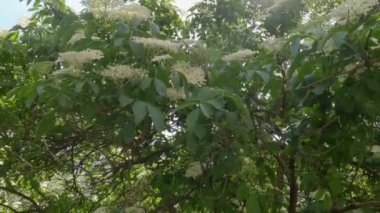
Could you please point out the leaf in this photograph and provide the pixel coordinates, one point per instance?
(139, 111)
(88, 110)
(157, 117)
(160, 87)
(124, 100)
(192, 120)
(128, 133)
(46, 124)
(138, 50)
(253, 205)
(217, 104)
(145, 83)
(263, 75)
(295, 47)
(79, 86)
(242, 193)
(154, 28)
(206, 110)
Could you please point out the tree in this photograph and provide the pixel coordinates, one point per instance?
(245, 106)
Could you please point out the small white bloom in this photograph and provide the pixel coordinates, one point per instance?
(176, 94)
(161, 58)
(123, 72)
(194, 170)
(78, 58)
(157, 43)
(100, 8)
(24, 22)
(239, 55)
(194, 75)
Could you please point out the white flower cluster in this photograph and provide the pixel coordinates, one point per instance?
(116, 9)
(176, 94)
(157, 43)
(79, 35)
(161, 58)
(134, 209)
(123, 72)
(194, 75)
(194, 170)
(78, 58)
(24, 22)
(273, 44)
(3, 32)
(239, 55)
(352, 9)
(129, 12)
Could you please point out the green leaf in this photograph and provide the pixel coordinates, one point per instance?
(206, 110)
(138, 50)
(242, 192)
(88, 110)
(154, 28)
(160, 87)
(253, 205)
(128, 133)
(124, 100)
(263, 75)
(157, 117)
(192, 120)
(46, 124)
(145, 83)
(79, 86)
(139, 111)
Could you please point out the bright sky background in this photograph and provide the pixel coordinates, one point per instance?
(12, 10)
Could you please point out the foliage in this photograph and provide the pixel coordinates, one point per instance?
(245, 106)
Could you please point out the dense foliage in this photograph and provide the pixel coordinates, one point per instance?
(245, 106)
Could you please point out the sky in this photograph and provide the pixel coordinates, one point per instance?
(12, 10)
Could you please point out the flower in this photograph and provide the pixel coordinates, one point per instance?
(175, 94)
(239, 55)
(161, 58)
(157, 43)
(100, 8)
(375, 149)
(273, 44)
(134, 209)
(194, 170)
(79, 35)
(352, 9)
(128, 12)
(123, 72)
(78, 58)
(194, 75)
(24, 22)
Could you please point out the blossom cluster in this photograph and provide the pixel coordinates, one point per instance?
(194, 170)
(78, 58)
(116, 9)
(352, 9)
(176, 94)
(194, 75)
(153, 43)
(3, 32)
(79, 35)
(123, 72)
(161, 58)
(239, 55)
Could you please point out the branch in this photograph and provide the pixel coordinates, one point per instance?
(353, 206)
(36, 206)
(293, 192)
(8, 207)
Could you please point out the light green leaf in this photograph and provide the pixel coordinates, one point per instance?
(192, 120)
(139, 111)
(160, 87)
(157, 117)
(206, 110)
(124, 100)
(263, 75)
(253, 205)
(46, 124)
